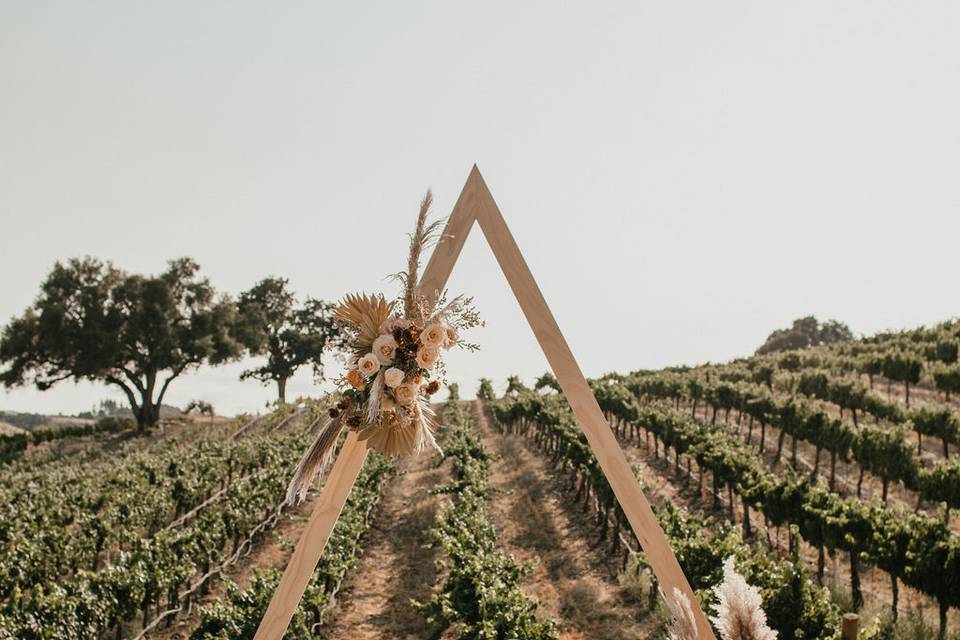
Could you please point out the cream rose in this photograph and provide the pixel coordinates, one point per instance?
(434, 335)
(427, 356)
(406, 393)
(368, 365)
(385, 348)
(393, 377)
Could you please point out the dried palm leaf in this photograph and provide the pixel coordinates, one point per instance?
(366, 313)
(315, 461)
(392, 436)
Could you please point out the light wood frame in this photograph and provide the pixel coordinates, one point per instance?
(476, 204)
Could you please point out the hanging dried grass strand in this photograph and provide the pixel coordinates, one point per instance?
(683, 626)
(315, 461)
(425, 423)
(375, 399)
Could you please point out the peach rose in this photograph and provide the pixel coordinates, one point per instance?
(406, 393)
(393, 377)
(385, 348)
(434, 335)
(427, 356)
(368, 365)
(452, 338)
(355, 379)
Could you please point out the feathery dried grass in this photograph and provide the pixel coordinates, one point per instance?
(684, 625)
(315, 461)
(423, 235)
(740, 615)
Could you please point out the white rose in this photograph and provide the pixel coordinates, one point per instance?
(385, 348)
(427, 356)
(434, 334)
(393, 377)
(368, 365)
(406, 393)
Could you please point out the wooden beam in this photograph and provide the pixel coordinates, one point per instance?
(304, 560)
(599, 434)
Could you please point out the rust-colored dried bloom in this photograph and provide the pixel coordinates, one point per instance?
(333, 412)
(355, 379)
(433, 387)
(353, 421)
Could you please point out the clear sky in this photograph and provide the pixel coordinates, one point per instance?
(682, 177)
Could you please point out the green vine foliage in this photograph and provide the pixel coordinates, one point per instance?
(104, 541)
(238, 615)
(795, 607)
(481, 598)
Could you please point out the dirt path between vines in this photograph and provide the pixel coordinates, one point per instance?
(396, 565)
(575, 582)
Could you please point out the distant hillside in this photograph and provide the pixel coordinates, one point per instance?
(7, 429)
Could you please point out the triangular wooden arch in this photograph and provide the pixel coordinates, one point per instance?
(475, 204)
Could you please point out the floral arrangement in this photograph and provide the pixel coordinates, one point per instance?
(394, 364)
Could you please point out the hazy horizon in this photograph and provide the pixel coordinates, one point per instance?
(682, 179)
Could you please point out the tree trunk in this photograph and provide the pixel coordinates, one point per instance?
(147, 415)
(906, 386)
(860, 482)
(886, 486)
(943, 620)
(282, 390)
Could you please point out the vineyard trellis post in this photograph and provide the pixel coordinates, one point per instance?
(476, 204)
